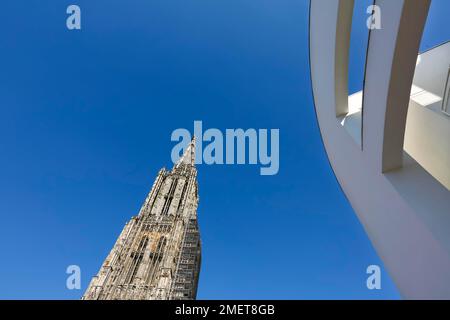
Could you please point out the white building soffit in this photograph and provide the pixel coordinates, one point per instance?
(423, 97)
(418, 95)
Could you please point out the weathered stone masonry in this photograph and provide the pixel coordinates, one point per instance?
(158, 253)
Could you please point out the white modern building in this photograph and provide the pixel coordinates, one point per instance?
(389, 145)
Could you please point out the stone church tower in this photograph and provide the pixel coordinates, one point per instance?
(157, 255)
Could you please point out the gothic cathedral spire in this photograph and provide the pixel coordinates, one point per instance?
(158, 253)
(189, 155)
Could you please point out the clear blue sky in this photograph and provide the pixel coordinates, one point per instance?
(86, 119)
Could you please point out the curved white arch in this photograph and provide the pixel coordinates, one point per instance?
(404, 210)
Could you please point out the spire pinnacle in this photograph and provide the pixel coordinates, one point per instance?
(189, 154)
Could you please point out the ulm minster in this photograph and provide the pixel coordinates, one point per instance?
(157, 255)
